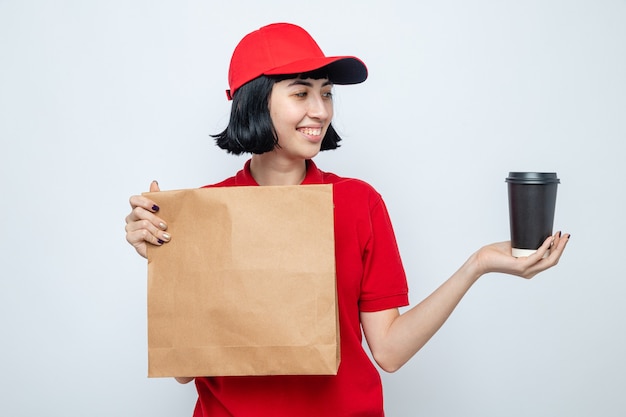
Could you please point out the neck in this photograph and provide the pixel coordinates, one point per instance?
(268, 170)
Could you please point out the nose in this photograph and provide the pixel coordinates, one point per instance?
(320, 107)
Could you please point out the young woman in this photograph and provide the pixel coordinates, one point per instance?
(281, 86)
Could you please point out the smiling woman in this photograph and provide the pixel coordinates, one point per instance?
(281, 85)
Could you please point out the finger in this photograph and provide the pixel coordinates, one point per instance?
(146, 203)
(154, 186)
(143, 202)
(560, 242)
(143, 209)
(140, 236)
(543, 250)
(557, 246)
(139, 215)
(144, 231)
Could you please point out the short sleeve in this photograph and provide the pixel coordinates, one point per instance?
(384, 284)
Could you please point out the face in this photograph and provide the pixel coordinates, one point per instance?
(301, 110)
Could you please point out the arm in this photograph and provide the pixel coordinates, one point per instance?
(394, 338)
(143, 226)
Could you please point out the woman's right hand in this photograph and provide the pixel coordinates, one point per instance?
(143, 226)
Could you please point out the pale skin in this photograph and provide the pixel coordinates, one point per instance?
(301, 111)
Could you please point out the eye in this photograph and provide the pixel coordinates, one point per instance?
(301, 94)
(327, 94)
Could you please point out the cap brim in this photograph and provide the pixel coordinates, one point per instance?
(341, 69)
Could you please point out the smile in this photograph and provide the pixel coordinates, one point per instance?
(311, 131)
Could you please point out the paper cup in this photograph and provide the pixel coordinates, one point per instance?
(532, 203)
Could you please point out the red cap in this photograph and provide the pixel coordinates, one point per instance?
(283, 48)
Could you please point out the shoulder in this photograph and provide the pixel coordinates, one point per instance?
(355, 185)
(228, 182)
(352, 190)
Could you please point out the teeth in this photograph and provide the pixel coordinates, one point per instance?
(311, 131)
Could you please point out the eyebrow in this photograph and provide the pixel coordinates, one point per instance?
(299, 81)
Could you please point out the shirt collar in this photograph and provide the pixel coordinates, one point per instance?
(313, 175)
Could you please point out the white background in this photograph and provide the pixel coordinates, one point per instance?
(97, 98)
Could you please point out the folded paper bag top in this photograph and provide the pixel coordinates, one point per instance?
(247, 284)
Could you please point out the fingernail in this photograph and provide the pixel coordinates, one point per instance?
(161, 241)
(162, 225)
(166, 237)
(559, 233)
(155, 208)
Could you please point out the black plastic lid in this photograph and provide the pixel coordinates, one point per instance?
(532, 178)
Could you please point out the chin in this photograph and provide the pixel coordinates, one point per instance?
(312, 154)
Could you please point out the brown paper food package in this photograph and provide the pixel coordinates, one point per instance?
(247, 284)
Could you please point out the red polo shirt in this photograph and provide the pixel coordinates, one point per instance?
(370, 277)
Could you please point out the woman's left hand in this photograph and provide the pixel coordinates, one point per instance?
(497, 257)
